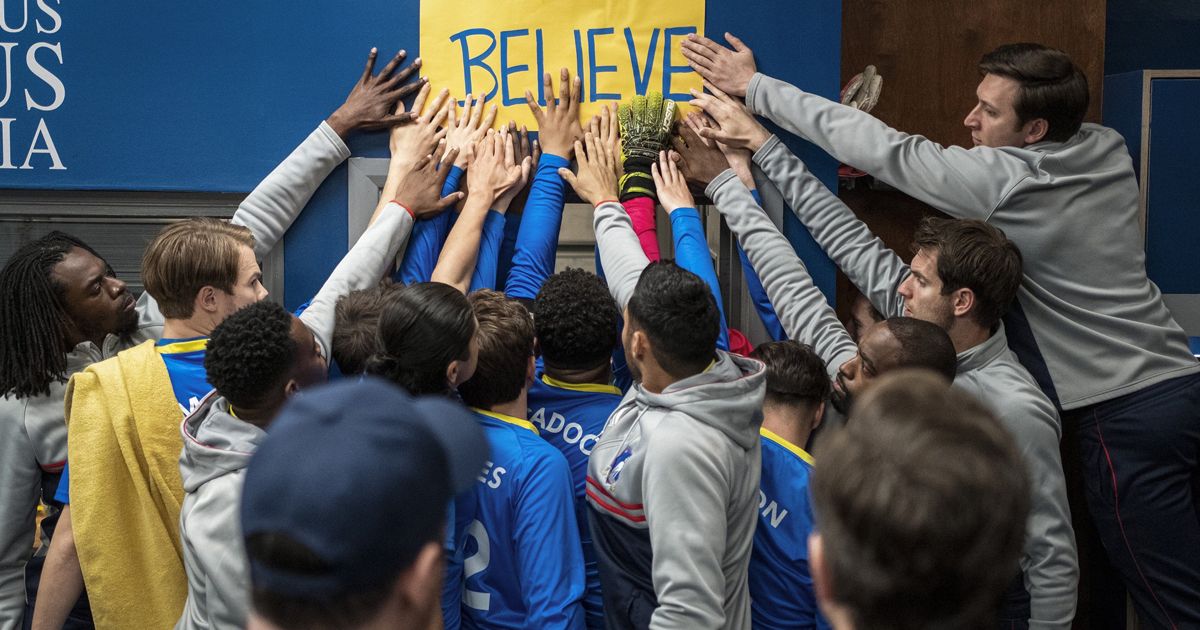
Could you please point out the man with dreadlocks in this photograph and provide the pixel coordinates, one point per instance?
(62, 309)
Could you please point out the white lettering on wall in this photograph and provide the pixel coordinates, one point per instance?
(40, 58)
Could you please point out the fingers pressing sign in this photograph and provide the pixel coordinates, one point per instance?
(371, 102)
(736, 126)
(469, 128)
(558, 125)
(731, 70)
(411, 141)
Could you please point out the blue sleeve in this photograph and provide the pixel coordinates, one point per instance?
(691, 253)
(552, 584)
(62, 494)
(758, 295)
(537, 242)
(425, 242)
(512, 225)
(489, 252)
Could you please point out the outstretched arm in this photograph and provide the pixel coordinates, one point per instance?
(802, 308)
(494, 171)
(62, 578)
(537, 241)
(274, 204)
(620, 253)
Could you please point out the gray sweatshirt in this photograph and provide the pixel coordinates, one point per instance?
(990, 371)
(673, 480)
(217, 447)
(1099, 324)
(33, 432)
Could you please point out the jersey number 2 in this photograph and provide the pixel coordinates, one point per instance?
(475, 564)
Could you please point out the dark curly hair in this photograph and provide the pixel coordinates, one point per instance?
(251, 353)
(678, 312)
(795, 374)
(423, 328)
(33, 316)
(576, 320)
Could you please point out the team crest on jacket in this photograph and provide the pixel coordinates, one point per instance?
(618, 462)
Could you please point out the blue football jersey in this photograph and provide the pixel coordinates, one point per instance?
(781, 589)
(521, 564)
(185, 366)
(571, 417)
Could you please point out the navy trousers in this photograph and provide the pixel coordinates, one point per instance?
(1140, 458)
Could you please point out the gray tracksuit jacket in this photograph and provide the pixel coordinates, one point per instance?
(33, 432)
(673, 480)
(1099, 326)
(217, 447)
(990, 371)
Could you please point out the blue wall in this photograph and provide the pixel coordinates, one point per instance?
(209, 96)
(1152, 34)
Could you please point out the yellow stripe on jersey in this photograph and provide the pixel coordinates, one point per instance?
(796, 450)
(595, 388)
(524, 424)
(178, 347)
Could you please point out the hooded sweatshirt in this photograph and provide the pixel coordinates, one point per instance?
(217, 447)
(216, 450)
(673, 482)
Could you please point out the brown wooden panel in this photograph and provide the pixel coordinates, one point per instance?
(927, 52)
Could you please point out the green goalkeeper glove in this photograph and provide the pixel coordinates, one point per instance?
(646, 123)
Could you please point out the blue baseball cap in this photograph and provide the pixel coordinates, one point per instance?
(360, 474)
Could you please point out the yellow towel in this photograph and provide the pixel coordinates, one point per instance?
(123, 448)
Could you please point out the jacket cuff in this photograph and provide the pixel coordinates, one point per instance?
(752, 91)
(720, 180)
(335, 140)
(765, 150)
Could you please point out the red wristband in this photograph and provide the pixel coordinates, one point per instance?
(410, 212)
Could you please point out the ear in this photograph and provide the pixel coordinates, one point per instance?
(1035, 130)
(962, 301)
(206, 299)
(639, 344)
(531, 370)
(820, 415)
(452, 373)
(290, 388)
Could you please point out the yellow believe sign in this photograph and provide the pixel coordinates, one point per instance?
(500, 48)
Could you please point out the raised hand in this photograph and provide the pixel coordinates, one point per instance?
(736, 126)
(421, 188)
(527, 156)
(729, 70)
(698, 158)
(558, 124)
(410, 142)
(596, 179)
(470, 128)
(495, 169)
(672, 189)
(608, 131)
(739, 160)
(371, 102)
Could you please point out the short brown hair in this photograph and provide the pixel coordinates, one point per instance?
(976, 256)
(189, 255)
(795, 373)
(1052, 86)
(356, 327)
(505, 345)
(921, 504)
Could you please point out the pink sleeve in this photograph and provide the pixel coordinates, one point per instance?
(641, 213)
